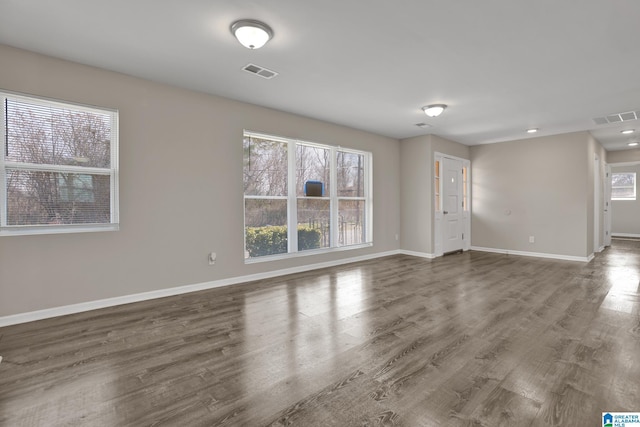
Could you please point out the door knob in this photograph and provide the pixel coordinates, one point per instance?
(445, 212)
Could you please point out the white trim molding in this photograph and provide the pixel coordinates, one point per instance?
(632, 235)
(418, 254)
(533, 254)
(161, 293)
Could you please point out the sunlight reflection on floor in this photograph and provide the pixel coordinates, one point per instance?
(623, 295)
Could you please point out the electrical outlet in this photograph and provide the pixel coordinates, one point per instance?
(212, 258)
(532, 239)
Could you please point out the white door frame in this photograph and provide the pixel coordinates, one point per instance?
(596, 205)
(607, 204)
(611, 210)
(438, 229)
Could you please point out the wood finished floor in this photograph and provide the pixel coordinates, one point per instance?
(473, 339)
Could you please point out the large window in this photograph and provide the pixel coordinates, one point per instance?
(623, 186)
(301, 196)
(58, 167)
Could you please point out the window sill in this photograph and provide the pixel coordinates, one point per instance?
(279, 257)
(58, 229)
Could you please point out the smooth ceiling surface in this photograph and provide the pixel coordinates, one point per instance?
(502, 66)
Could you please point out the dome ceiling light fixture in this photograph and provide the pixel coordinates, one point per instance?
(434, 110)
(251, 34)
(627, 131)
(532, 130)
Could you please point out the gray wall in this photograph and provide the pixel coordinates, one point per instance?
(625, 214)
(541, 187)
(623, 156)
(417, 188)
(180, 190)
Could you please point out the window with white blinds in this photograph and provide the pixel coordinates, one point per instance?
(59, 167)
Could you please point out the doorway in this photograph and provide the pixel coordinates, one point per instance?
(451, 204)
(607, 205)
(452, 220)
(624, 207)
(596, 205)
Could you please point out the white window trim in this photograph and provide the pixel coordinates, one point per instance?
(19, 230)
(307, 252)
(292, 198)
(635, 187)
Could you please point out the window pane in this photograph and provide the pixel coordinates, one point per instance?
(265, 167)
(623, 179)
(351, 214)
(623, 193)
(350, 174)
(272, 184)
(313, 224)
(57, 136)
(623, 185)
(312, 164)
(40, 198)
(265, 227)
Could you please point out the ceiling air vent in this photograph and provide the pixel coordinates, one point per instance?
(617, 118)
(423, 125)
(631, 115)
(259, 71)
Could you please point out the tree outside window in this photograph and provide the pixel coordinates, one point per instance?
(59, 162)
(283, 217)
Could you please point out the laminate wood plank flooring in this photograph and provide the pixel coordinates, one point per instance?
(472, 339)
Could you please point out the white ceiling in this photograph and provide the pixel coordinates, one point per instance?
(502, 66)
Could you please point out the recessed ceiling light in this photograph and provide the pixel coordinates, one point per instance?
(627, 131)
(251, 34)
(632, 144)
(532, 130)
(434, 110)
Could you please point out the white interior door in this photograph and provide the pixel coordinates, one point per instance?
(453, 221)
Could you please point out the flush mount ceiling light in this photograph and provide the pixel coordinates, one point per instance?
(627, 131)
(632, 144)
(434, 110)
(532, 130)
(251, 34)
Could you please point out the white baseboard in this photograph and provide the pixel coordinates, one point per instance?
(637, 236)
(161, 293)
(533, 254)
(417, 254)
